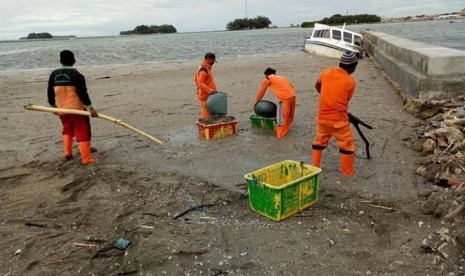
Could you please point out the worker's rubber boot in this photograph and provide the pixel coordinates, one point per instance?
(316, 157)
(281, 131)
(84, 148)
(347, 164)
(68, 146)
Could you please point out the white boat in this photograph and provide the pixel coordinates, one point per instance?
(332, 41)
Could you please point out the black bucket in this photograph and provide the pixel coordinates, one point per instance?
(266, 109)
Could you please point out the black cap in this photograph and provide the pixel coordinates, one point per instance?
(67, 57)
(269, 71)
(210, 55)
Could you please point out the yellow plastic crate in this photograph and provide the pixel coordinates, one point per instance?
(283, 189)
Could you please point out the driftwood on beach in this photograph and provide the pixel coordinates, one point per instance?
(441, 138)
(87, 113)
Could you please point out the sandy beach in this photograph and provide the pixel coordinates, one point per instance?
(58, 215)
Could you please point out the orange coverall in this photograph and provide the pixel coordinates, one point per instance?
(67, 89)
(284, 91)
(205, 84)
(336, 89)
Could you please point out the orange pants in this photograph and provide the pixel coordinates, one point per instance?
(285, 117)
(344, 136)
(204, 113)
(76, 126)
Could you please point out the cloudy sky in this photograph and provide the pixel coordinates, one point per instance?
(108, 17)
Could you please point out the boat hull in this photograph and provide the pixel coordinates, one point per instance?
(326, 49)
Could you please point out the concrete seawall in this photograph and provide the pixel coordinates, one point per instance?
(422, 70)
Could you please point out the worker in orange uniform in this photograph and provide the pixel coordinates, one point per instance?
(67, 89)
(205, 83)
(284, 91)
(336, 87)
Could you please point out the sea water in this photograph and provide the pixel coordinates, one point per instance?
(16, 56)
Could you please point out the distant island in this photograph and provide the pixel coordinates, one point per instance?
(338, 19)
(260, 22)
(31, 36)
(152, 29)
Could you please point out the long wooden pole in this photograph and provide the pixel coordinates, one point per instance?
(87, 113)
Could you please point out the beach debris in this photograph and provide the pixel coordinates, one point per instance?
(449, 205)
(456, 211)
(85, 244)
(191, 251)
(370, 203)
(127, 272)
(216, 119)
(32, 224)
(147, 227)
(18, 251)
(103, 250)
(427, 249)
(59, 261)
(122, 243)
(441, 138)
(207, 218)
(195, 207)
(330, 242)
(89, 239)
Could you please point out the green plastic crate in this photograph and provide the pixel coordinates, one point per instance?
(262, 122)
(283, 189)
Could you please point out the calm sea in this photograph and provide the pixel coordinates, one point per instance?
(176, 48)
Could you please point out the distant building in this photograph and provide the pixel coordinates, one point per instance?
(463, 12)
(449, 16)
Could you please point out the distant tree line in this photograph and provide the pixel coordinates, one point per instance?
(39, 35)
(152, 29)
(260, 22)
(338, 19)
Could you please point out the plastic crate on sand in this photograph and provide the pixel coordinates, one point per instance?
(218, 130)
(283, 189)
(263, 122)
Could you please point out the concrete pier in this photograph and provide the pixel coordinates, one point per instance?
(423, 71)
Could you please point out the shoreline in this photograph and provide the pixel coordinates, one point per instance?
(151, 65)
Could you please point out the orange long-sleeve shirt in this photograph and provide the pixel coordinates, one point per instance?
(281, 87)
(204, 81)
(337, 88)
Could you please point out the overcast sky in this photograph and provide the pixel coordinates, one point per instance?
(18, 18)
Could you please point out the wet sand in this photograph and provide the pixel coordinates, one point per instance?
(160, 101)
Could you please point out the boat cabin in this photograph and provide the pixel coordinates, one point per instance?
(337, 34)
(332, 41)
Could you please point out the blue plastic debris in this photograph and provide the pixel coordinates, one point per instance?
(122, 243)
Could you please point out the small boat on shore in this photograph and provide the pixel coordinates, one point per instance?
(332, 41)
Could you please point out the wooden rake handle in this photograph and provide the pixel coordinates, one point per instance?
(87, 113)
